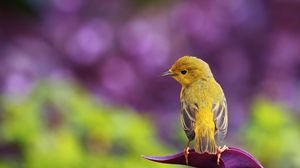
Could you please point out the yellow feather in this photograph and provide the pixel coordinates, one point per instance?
(203, 104)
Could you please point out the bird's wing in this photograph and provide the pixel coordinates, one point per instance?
(219, 109)
(187, 118)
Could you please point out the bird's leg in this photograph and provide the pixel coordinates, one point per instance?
(186, 152)
(219, 151)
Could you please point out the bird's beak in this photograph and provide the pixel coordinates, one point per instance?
(168, 73)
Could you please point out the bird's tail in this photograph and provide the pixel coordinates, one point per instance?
(205, 140)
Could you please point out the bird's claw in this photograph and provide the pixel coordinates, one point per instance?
(219, 152)
(186, 155)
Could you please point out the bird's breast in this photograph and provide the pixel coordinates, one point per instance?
(198, 96)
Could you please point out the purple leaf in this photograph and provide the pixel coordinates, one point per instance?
(231, 158)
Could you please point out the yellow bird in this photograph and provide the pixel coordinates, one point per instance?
(203, 108)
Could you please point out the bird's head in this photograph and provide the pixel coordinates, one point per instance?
(189, 69)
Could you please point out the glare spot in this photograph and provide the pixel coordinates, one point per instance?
(149, 45)
(89, 42)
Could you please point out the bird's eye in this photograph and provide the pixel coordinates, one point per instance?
(183, 72)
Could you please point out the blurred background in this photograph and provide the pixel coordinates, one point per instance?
(80, 80)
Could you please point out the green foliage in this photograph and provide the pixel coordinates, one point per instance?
(273, 135)
(61, 126)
